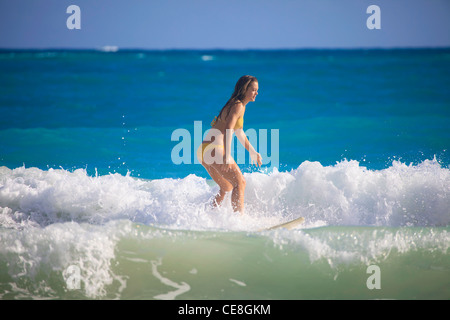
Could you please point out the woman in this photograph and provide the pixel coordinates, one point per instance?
(214, 153)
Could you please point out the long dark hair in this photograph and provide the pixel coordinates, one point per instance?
(240, 89)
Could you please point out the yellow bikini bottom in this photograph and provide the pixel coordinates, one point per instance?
(207, 146)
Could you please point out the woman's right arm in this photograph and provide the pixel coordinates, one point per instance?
(254, 156)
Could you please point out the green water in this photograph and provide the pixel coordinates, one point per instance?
(316, 263)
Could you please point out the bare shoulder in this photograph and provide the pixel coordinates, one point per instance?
(238, 108)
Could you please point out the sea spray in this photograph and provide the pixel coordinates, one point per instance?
(119, 232)
(343, 194)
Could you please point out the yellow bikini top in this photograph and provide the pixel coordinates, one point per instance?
(239, 123)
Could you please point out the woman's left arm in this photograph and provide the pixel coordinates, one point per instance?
(255, 156)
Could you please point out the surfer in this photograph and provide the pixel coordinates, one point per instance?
(214, 152)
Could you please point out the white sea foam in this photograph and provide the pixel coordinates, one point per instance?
(35, 253)
(51, 219)
(207, 57)
(349, 194)
(350, 245)
(343, 194)
(109, 49)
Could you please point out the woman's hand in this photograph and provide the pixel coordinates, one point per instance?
(256, 158)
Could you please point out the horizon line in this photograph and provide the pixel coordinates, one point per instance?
(113, 48)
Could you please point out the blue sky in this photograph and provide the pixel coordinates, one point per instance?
(224, 24)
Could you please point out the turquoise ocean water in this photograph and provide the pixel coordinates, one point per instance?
(93, 205)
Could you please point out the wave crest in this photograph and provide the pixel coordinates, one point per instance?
(343, 194)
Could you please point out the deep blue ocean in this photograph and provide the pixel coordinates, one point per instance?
(86, 169)
(115, 112)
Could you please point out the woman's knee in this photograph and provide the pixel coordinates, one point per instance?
(240, 182)
(226, 188)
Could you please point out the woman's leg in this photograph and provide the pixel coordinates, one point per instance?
(224, 185)
(227, 179)
(236, 180)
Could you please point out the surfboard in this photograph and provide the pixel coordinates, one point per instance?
(287, 225)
